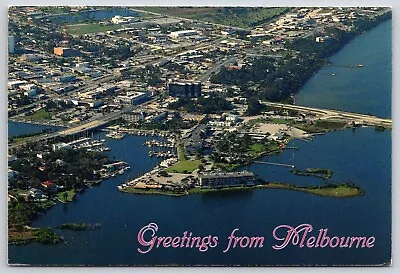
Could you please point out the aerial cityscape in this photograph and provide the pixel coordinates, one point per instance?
(122, 115)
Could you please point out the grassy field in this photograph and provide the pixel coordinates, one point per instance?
(40, 115)
(186, 166)
(339, 191)
(70, 197)
(79, 29)
(243, 17)
(321, 126)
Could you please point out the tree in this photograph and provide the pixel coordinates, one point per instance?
(254, 107)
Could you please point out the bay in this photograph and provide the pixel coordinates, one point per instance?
(362, 155)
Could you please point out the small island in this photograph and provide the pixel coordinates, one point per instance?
(316, 172)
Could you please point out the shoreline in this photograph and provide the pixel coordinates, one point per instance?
(341, 190)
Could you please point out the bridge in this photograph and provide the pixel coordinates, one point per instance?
(336, 114)
(89, 125)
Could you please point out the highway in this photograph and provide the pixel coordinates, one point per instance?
(336, 114)
(89, 125)
(215, 68)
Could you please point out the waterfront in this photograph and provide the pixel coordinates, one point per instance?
(257, 212)
(15, 128)
(363, 90)
(361, 155)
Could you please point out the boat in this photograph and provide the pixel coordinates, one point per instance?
(333, 74)
(360, 65)
(115, 135)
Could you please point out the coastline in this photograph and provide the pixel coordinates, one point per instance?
(271, 185)
(341, 190)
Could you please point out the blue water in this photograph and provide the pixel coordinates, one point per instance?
(362, 155)
(15, 129)
(364, 90)
(255, 212)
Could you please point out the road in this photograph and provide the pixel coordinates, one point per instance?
(91, 124)
(204, 77)
(336, 114)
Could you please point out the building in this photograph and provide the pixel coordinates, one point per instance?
(184, 89)
(133, 117)
(66, 52)
(36, 193)
(67, 78)
(118, 19)
(11, 44)
(183, 33)
(220, 179)
(49, 186)
(157, 117)
(133, 98)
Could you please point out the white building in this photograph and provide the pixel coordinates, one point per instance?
(183, 33)
(118, 19)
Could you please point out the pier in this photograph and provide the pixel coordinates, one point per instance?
(274, 164)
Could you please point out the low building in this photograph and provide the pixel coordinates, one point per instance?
(184, 89)
(49, 186)
(155, 118)
(183, 33)
(133, 98)
(118, 19)
(65, 52)
(133, 117)
(67, 78)
(228, 179)
(36, 193)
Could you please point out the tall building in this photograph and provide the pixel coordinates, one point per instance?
(11, 44)
(228, 179)
(184, 89)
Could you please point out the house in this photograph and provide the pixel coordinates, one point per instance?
(49, 186)
(36, 193)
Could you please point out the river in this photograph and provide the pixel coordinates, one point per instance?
(362, 155)
(363, 90)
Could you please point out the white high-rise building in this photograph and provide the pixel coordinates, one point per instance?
(11, 44)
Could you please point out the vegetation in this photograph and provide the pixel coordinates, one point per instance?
(24, 235)
(46, 236)
(212, 104)
(316, 172)
(40, 115)
(235, 150)
(321, 126)
(343, 190)
(243, 17)
(80, 29)
(20, 138)
(176, 123)
(276, 79)
(185, 166)
(66, 196)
